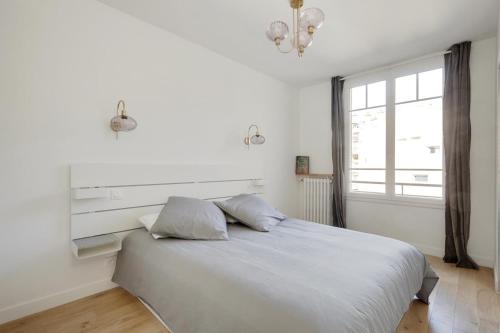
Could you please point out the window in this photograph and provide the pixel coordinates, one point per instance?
(395, 133)
(368, 123)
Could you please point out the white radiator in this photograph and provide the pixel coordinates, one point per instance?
(317, 203)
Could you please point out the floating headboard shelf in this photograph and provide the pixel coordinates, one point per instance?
(108, 198)
(97, 245)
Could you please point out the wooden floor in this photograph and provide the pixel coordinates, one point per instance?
(463, 302)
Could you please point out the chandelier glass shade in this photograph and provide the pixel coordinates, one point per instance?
(305, 23)
(311, 17)
(277, 31)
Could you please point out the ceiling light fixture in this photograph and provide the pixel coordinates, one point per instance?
(305, 24)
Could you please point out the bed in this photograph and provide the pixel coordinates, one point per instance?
(300, 277)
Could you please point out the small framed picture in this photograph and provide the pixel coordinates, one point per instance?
(302, 165)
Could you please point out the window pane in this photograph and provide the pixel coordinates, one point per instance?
(419, 191)
(430, 84)
(371, 188)
(406, 88)
(368, 138)
(376, 94)
(419, 137)
(368, 175)
(358, 98)
(419, 177)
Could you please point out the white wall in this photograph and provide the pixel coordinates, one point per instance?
(64, 65)
(423, 227)
(483, 117)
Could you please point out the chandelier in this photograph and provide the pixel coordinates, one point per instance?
(305, 24)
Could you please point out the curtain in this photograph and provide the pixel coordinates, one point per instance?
(457, 141)
(338, 198)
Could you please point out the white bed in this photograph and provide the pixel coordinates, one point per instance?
(300, 277)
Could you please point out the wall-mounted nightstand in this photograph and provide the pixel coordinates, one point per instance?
(96, 246)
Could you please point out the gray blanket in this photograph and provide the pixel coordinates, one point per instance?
(300, 277)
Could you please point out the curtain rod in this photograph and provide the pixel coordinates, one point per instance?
(379, 69)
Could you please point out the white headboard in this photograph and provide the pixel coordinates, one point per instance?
(108, 198)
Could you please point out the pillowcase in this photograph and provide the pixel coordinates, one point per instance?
(251, 210)
(148, 221)
(190, 218)
(229, 219)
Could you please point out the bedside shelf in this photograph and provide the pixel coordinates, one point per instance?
(96, 246)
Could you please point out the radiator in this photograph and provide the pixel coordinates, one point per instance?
(317, 203)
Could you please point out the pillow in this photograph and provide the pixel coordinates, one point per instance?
(148, 221)
(190, 218)
(231, 219)
(251, 210)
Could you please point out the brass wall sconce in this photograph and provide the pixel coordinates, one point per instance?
(256, 139)
(122, 122)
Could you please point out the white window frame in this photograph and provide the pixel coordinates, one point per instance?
(389, 76)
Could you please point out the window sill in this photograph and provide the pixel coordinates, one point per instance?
(408, 202)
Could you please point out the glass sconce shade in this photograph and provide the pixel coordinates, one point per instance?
(257, 139)
(278, 30)
(311, 17)
(123, 123)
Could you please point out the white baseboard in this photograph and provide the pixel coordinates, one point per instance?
(46, 302)
(438, 252)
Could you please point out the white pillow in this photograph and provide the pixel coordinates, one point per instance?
(148, 221)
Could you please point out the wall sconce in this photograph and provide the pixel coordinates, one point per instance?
(121, 122)
(256, 139)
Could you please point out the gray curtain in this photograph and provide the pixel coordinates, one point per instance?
(338, 199)
(457, 140)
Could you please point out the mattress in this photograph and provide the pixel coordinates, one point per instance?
(300, 277)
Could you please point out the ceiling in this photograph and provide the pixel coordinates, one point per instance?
(357, 34)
